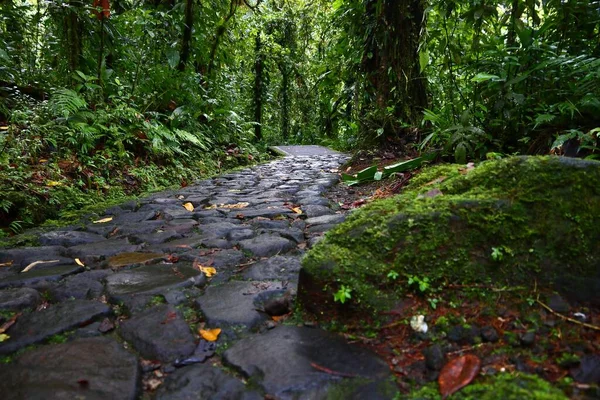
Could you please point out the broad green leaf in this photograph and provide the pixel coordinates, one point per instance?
(423, 59)
(367, 173)
(481, 77)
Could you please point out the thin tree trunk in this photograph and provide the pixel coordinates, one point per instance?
(187, 35)
(259, 66)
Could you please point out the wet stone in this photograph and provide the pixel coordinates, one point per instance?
(151, 279)
(275, 268)
(94, 369)
(155, 238)
(19, 299)
(489, 334)
(134, 259)
(326, 219)
(106, 248)
(26, 255)
(270, 212)
(159, 333)
(233, 303)
(434, 357)
(314, 211)
(39, 325)
(292, 376)
(85, 285)
(267, 245)
(38, 275)
(69, 238)
(206, 381)
(558, 304)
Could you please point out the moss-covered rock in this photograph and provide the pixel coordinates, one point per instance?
(517, 221)
(503, 386)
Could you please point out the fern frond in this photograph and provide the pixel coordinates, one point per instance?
(66, 102)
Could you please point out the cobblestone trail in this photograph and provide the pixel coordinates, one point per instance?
(126, 315)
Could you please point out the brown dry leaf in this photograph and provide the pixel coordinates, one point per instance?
(210, 335)
(79, 262)
(458, 373)
(189, 206)
(297, 210)
(6, 264)
(33, 264)
(152, 384)
(103, 220)
(235, 206)
(208, 271)
(4, 327)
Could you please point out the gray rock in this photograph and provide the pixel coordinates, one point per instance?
(106, 248)
(558, 304)
(69, 238)
(37, 275)
(489, 334)
(270, 212)
(151, 279)
(237, 235)
(233, 303)
(315, 201)
(204, 382)
(293, 375)
(94, 369)
(528, 339)
(326, 219)
(39, 325)
(275, 268)
(19, 299)
(155, 238)
(159, 333)
(218, 230)
(86, 285)
(270, 224)
(434, 357)
(315, 211)
(267, 245)
(26, 255)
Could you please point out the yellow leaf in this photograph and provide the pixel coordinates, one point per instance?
(103, 220)
(53, 183)
(297, 210)
(4, 337)
(189, 206)
(78, 262)
(210, 335)
(208, 271)
(6, 264)
(3, 128)
(42, 160)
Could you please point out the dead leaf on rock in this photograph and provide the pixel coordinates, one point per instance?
(3, 337)
(33, 264)
(210, 335)
(103, 220)
(208, 271)
(79, 262)
(297, 210)
(152, 384)
(235, 206)
(189, 206)
(458, 373)
(6, 264)
(4, 327)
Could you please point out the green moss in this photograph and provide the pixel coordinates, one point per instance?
(501, 386)
(543, 213)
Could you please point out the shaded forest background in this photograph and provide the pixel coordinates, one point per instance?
(102, 99)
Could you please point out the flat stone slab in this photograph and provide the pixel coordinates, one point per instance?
(105, 248)
(326, 219)
(91, 369)
(204, 382)
(151, 279)
(24, 256)
(233, 303)
(288, 361)
(69, 238)
(267, 245)
(39, 325)
(298, 151)
(274, 268)
(19, 299)
(159, 333)
(37, 275)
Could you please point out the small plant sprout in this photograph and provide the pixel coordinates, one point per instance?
(393, 275)
(343, 294)
(497, 254)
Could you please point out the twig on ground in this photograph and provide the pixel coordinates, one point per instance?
(330, 372)
(594, 327)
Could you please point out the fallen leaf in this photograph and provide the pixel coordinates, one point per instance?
(189, 206)
(297, 210)
(210, 335)
(33, 264)
(103, 220)
(6, 264)
(208, 271)
(4, 327)
(3, 337)
(152, 384)
(53, 183)
(458, 373)
(78, 262)
(235, 206)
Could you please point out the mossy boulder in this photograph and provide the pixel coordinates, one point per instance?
(517, 221)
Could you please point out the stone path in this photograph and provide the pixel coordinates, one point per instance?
(122, 322)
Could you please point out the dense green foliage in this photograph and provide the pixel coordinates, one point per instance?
(93, 93)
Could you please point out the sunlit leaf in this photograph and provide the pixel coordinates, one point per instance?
(3, 337)
(79, 262)
(210, 335)
(53, 183)
(297, 210)
(4, 327)
(189, 206)
(33, 264)
(103, 220)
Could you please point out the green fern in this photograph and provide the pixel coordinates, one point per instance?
(66, 102)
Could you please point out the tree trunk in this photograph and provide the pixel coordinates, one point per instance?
(187, 35)
(73, 30)
(391, 63)
(259, 66)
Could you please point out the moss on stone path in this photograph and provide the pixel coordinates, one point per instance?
(517, 221)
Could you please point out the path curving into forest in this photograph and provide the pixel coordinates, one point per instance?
(124, 325)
